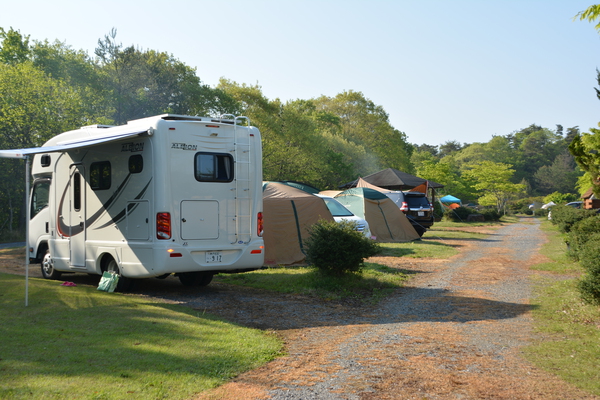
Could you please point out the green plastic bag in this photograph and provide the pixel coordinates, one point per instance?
(108, 282)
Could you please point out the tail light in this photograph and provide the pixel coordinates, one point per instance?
(259, 229)
(404, 207)
(163, 226)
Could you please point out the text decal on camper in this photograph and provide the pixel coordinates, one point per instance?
(184, 146)
(132, 147)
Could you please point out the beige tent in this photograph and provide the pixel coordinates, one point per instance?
(387, 222)
(288, 213)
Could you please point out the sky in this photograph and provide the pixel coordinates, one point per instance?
(443, 70)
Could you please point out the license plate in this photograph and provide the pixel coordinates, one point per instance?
(421, 213)
(213, 257)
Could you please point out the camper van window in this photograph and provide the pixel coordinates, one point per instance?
(136, 164)
(77, 191)
(100, 175)
(39, 197)
(213, 167)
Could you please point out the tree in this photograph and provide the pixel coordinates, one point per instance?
(591, 14)
(367, 124)
(560, 176)
(33, 108)
(15, 47)
(493, 182)
(145, 83)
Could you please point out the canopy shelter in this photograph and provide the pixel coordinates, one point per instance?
(393, 179)
(79, 139)
(288, 214)
(386, 221)
(449, 199)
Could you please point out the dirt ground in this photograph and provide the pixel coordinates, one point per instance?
(345, 351)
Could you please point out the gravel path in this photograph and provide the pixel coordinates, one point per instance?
(454, 332)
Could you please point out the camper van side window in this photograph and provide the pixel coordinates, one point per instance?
(213, 167)
(136, 164)
(100, 175)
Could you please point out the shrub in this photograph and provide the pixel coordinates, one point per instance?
(459, 214)
(580, 232)
(589, 285)
(565, 217)
(338, 248)
(491, 214)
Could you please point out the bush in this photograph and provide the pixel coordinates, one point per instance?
(581, 232)
(491, 214)
(565, 217)
(589, 285)
(338, 248)
(459, 214)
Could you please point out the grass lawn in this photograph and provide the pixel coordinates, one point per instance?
(571, 348)
(80, 343)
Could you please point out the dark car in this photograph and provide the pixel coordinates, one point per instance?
(418, 210)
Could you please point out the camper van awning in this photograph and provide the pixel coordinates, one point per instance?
(73, 144)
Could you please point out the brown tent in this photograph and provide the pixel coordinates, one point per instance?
(288, 213)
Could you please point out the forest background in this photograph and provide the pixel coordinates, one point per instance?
(48, 87)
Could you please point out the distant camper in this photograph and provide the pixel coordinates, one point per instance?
(160, 195)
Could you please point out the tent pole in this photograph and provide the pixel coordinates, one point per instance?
(27, 167)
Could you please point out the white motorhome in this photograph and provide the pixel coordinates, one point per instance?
(169, 194)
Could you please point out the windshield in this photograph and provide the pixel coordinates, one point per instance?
(337, 209)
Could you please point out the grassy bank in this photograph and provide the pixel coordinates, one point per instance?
(570, 327)
(78, 342)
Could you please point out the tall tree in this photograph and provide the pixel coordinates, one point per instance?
(367, 124)
(145, 83)
(15, 47)
(493, 182)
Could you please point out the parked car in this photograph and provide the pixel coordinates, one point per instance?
(418, 210)
(340, 213)
(575, 204)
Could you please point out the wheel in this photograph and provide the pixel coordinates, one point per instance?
(205, 279)
(195, 278)
(125, 284)
(420, 230)
(48, 270)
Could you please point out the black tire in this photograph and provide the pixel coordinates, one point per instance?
(420, 230)
(48, 270)
(125, 284)
(195, 278)
(206, 278)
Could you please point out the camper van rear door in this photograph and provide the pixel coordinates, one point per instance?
(199, 219)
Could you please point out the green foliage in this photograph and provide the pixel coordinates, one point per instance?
(581, 231)
(458, 214)
(564, 217)
(337, 249)
(560, 198)
(492, 180)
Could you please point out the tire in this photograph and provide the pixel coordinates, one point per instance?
(125, 284)
(420, 230)
(48, 270)
(195, 278)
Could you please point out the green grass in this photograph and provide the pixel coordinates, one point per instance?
(375, 283)
(571, 328)
(78, 342)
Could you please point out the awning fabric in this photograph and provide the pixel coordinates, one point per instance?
(112, 135)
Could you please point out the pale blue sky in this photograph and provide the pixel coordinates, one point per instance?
(442, 69)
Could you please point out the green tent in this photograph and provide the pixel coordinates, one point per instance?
(387, 222)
